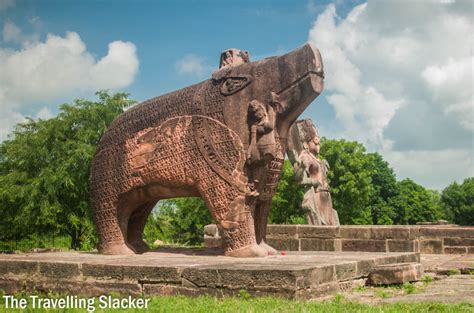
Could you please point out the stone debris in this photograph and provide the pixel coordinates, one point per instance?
(212, 236)
(395, 274)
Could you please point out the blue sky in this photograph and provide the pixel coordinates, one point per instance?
(165, 31)
(399, 73)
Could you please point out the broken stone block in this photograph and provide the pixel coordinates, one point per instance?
(212, 236)
(395, 274)
(211, 230)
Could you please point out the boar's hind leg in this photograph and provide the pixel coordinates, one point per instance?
(136, 225)
(110, 231)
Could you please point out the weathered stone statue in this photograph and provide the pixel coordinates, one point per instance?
(311, 172)
(223, 139)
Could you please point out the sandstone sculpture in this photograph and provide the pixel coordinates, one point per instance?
(311, 172)
(223, 139)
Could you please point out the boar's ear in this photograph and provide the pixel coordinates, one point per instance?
(233, 84)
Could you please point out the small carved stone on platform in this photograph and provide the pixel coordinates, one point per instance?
(212, 236)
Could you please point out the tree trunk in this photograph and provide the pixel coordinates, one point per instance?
(75, 239)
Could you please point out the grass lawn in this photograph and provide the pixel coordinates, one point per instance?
(245, 303)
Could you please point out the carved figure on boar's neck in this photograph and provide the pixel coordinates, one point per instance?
(222, 139)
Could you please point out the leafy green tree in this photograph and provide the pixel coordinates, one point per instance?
(385, 186)
(286, 204)
(458, 202)
(179, 220)
(415, 204)
(190, 217)
(350, 166)
(44, 170)
(350, 179)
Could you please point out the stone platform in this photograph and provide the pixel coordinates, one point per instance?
(430, 239)
(300, 275)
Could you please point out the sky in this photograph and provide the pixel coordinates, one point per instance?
(399, 73)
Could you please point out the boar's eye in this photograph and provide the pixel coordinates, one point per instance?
(231, 85)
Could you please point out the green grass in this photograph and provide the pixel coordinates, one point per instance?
(426, 279)
(361, 288)
(388, 291)
(453, 271)
(409, 288)
(384, 294)
(247, 303)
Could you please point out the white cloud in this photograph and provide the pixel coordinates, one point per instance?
(360, 105)
(452, 84)
(432, 169)
(6, 4)
(8, 119)
(59, 67)
(384, 59)
(191, 64)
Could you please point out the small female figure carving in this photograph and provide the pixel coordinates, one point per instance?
(311, 172)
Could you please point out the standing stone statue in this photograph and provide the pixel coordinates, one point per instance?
(311, 172)
(222, 139)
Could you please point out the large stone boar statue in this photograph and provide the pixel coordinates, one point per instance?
(222, 139)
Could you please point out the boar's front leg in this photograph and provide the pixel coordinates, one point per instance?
(227, 205)
(267, 175)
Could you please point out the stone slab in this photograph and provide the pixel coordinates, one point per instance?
(315, 244)
(391, 232)
(286, 244)
(321, 232)
(397, 273)
(364, 245)
(191, 272)
(402, 245)
(443, 263)
(283, 231)
(430, 246)
(459, 242)
(446, 231)
(356, 232)
(455, 250)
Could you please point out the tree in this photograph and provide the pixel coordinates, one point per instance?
(44, 170)
(350, 179)
(458, 202)
(415, 204)
(361, 185)
(385, 186)
(179, 220)
(286, 204)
